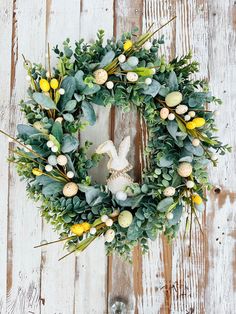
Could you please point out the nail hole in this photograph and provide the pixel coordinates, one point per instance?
(217, 189)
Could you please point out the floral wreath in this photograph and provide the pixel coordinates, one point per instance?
(181, 141)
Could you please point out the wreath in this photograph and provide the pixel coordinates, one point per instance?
(128, 74)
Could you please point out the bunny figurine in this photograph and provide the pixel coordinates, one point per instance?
(117, 165)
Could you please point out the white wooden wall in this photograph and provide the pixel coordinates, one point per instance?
(165, 280)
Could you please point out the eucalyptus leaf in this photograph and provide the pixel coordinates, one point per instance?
(69, 85)
(177, 213)
(164, 204)
(52, 188)
(80, 85)
(44, 101)
(173, 81)
(172, 128)
(68, 117)
(88, 112)
(196, 150)
(107, 59)
(152, 89)
(27, 130)
(70, 105)
(69, 143)
(57, 131)
(91, 90)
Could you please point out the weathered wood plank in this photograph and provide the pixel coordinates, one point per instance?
(6, 13)
(24, 223)
(91, 268)
(220, 281)
(125, 279)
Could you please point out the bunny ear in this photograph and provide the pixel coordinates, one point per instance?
(107, 147)
(124, 147)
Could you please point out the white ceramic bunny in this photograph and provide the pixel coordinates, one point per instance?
(117, 165)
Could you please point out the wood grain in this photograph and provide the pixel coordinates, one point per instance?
(165, 280)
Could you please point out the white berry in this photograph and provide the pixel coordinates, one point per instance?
(52, 160)
(48, 168)
(147, 45)
(109, 84)
(28, 78)
(61, 160)
(132, 76)
(104, 218)
(196, 142)
(50, 144)
(54, 149)
(93, 231)
(148, 81)
(109, 222)
(169, 216)
(190, 184)
(121, 58)
(70, 174)
(187, 117)
(61, 91)
(59, 119)
(121, 196)
(192, 114)
(171, 116)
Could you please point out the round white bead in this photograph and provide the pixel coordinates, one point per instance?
(109, 84)
(169, 216)
(187, 117)
(50, 144)
(54, 149)
(61, 160)
(147, 45)
(93, 231)
(104, 218)
(70, 174)
(148, 81)
(192, 114)
(121, 58)
(48, 168)
(61, 91)
(190, 184)
(121, 196)
(171, 116)
(132, 76)
(185, 169)
(109, 222)
(196, 142)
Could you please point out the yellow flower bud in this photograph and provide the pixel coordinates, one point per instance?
(77, 229)
(197, 199)
(44, 85)
(86, 226)
(199, 122)
(54, 83)
(127, 45)
(190, 125)
(37, 172)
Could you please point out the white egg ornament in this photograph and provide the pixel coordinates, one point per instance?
(100, 76)
(173, 99)
(61, 160)
(52, 160)
(195, 142)
(70, 189)
(121, 58)
(109, 235)
(164, 112)
(125, 219)
(185, 169)
(169, 191)
(132, 77)
(181, 109)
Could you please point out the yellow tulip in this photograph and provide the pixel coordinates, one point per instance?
(77, 229)
(199, 122)
(190, 125)
(86, 226)
(54, 83)
(197, 199)
(127, 45)
(37, 172)
(44, 85)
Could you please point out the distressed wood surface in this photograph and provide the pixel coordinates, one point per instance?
(165, 280)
